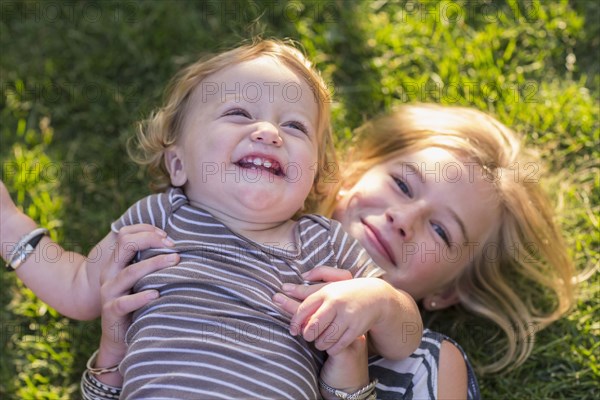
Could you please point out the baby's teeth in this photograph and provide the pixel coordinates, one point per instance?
(259, 161)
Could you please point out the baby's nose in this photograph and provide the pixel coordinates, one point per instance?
(267, 133)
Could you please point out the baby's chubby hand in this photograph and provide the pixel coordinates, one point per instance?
(333, 315)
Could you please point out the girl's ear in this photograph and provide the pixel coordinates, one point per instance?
(341, 193)
(174, 164)
(440, 300)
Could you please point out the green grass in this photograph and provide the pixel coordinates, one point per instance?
(76, 77)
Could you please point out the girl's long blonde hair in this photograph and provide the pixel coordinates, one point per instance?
(164, 127)
(527, 243)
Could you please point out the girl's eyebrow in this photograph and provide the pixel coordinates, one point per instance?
(414, 170)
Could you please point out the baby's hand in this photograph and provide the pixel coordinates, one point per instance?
(338, 313)
(295, 294)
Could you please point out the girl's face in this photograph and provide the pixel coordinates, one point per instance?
(421, 217)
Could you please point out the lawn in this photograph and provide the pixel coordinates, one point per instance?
(75, 77)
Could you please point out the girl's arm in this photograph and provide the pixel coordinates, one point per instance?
(67, 281)
(347, 371)
(452, 373)
(56, 276)
(117, 306)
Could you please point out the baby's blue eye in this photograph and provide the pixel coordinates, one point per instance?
(441, 233)
(402, 186)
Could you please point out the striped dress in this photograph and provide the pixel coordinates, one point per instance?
(416, 377)
(215, 332)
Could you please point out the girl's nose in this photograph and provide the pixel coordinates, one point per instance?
(268, 134)
(405, 219)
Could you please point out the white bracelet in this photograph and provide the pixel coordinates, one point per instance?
(24, 248)
(364, 393)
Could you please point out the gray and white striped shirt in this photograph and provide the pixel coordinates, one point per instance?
(214, 332)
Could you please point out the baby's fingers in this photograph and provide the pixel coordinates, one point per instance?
(287, 304)
(336, 341)
(319, 326)
(327, 274)
(322, 331)
(305, 315)
(301, 292)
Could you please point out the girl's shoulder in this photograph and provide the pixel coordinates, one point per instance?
(418, 375)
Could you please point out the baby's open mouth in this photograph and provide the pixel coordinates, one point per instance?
(255, 162)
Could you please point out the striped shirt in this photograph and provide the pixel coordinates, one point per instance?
(416, 377)
(215, 332)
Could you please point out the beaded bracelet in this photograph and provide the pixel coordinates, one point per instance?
(365, 393)
(92, 389)
(24, 248)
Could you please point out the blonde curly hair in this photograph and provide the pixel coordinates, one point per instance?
(529, 244)
(164, 126)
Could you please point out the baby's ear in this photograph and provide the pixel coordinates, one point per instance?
(174, 164)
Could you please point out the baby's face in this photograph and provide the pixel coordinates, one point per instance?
(249, 144)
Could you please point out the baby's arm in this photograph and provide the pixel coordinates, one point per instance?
(353, 307)
(335, 314)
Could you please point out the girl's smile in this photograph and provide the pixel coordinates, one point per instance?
(415, 215)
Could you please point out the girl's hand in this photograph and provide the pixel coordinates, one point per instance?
(7, 206)
(14, 223)
(117, 281)
(129, 240)
(347, 371)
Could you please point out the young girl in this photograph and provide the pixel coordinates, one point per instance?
(524, 236)
(239, 146)
(425, 171)
(419, 177)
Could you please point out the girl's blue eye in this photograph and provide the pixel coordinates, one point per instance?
(441, 233)
(297, 125)
(237, 111)
(402, 186)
